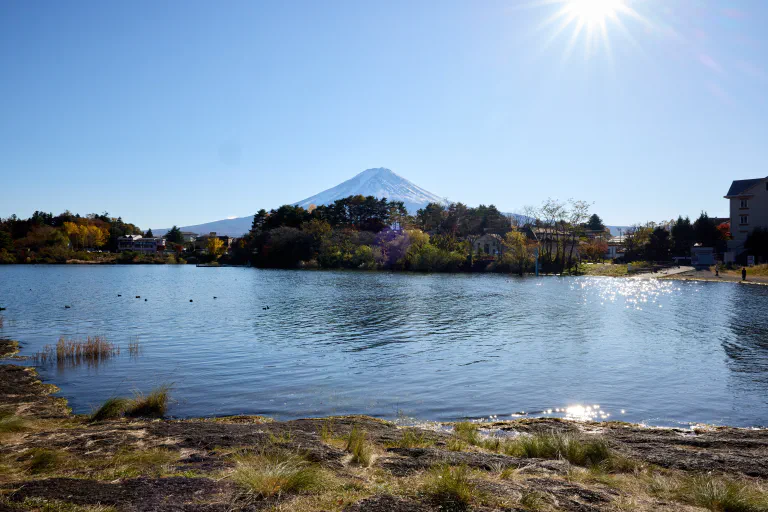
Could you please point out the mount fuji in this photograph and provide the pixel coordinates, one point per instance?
(378, 182)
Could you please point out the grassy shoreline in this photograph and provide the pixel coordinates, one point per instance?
(51, 460)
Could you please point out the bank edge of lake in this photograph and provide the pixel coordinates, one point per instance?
(50, 457)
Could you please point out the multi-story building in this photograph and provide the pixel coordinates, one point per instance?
(749, 210)
(137, 243)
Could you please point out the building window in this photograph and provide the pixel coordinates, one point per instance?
(744, 219)
(744, 203)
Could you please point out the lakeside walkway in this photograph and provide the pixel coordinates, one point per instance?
(732, 276)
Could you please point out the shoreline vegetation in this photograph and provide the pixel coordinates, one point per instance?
(367, 233)
(127, 456)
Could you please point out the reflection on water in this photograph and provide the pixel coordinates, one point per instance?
(433, 347)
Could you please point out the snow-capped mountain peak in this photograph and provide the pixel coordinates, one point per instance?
(379, 182)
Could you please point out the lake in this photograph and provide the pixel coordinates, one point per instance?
(397, 345)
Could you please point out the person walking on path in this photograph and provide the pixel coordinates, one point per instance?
(743, 273)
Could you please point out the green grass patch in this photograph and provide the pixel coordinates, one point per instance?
(412, 438)
(326, 431)
(359, 447)
(41, 461)
(152, 405)
(153, 462)
(10, 423)
(721, 494)
(582, 452)
(113, 408)
(449, 487)
(468, 432)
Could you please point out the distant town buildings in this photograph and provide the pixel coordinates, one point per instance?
(138, 243)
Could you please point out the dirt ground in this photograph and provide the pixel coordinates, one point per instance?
(59, 461)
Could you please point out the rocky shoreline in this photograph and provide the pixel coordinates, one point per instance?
(51, 459)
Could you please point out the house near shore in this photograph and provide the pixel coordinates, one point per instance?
(749, 210)
(615, 248)
(552, 240)
(138, 243)
(489, 244)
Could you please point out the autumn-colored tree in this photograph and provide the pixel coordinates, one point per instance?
(215, 246)
(595, 250)
(518, 251)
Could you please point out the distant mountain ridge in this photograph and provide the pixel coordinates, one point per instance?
(379, 182)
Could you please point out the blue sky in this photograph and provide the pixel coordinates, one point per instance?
(177, 112)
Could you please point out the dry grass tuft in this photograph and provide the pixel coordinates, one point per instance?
(449, 487)
(359, 447)
(152, 405)
(582, 452)
(721, 494)
(266, 475)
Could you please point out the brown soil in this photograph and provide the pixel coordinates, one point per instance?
(195, 470)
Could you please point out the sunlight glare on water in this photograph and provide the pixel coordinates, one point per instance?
(431, 347)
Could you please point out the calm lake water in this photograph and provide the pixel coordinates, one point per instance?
(431, 347)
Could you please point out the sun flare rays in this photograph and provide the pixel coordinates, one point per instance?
(589, 20)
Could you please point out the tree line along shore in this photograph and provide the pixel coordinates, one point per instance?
(376, 234)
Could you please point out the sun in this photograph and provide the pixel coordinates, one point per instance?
(590, 18)
(593, 12)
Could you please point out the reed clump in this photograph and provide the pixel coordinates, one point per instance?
(134, 348)
(93, 350)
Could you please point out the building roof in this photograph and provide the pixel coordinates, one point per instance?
(740, 186)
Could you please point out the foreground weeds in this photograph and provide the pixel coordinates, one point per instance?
(713, 492)
(273, 474)
(449, 487)
(359, 447)
(152, 405)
